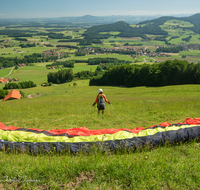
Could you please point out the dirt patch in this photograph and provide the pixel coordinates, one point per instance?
(43, 42)
(150, 47)
(88, 176)
(193, 57)
(35, 95)
(43, 187)
(10, 186)
(33, 40)
(172, 53)
(2, 187)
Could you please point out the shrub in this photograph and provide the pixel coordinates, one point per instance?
(25, 84)
(22, 94)
(46, 84)
(3, 93)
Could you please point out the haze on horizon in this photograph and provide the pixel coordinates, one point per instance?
(66, 8)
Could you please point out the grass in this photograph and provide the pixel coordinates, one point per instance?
(25, 51)
(190, 53)
(178, 23)
(112, 55)
(155, 169)
(4, 72)
(63, 106)
(38, 73)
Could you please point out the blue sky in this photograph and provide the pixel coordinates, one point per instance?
(62, 8)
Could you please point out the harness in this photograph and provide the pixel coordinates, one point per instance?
(101, 99)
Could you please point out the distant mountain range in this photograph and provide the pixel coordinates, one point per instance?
(94, 20)
(111, 19)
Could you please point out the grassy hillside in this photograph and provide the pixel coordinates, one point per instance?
(131, 107)
(64, 106)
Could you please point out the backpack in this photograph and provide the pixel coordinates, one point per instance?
(101, 99)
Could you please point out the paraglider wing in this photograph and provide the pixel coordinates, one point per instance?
(75, 139)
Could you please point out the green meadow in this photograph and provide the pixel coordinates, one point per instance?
(25, 51)
(38, 72)
(178, 23)
(173, 166)
(190, 53)
(4, 72)
(110, 55)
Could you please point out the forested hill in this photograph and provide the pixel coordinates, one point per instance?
(159, 21)
(125, 30)
(194, 19)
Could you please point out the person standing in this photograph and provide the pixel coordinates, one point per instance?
(100, 100)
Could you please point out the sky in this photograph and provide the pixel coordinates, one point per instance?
(70, 8)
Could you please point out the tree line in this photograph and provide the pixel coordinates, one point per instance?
(62, 76)
(19, 85)
(99, 60)
(68, 63)
(67, 75)
(187, 39)
(34, 58)
(68, 46)
(170, 72)
(58, 36)
(27, 45)
(21, 39)
(176, 49)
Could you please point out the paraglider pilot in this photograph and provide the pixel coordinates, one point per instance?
(100, 100)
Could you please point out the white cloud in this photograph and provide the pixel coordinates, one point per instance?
(1, 14)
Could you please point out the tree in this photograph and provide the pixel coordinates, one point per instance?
(3, 93)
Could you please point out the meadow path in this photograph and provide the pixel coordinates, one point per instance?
(9, 73)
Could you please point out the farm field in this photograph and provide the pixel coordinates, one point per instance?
(110, 55)
(38, 72)
(4, 72)
(25, 51)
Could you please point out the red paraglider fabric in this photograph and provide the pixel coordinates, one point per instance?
(82, 131)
